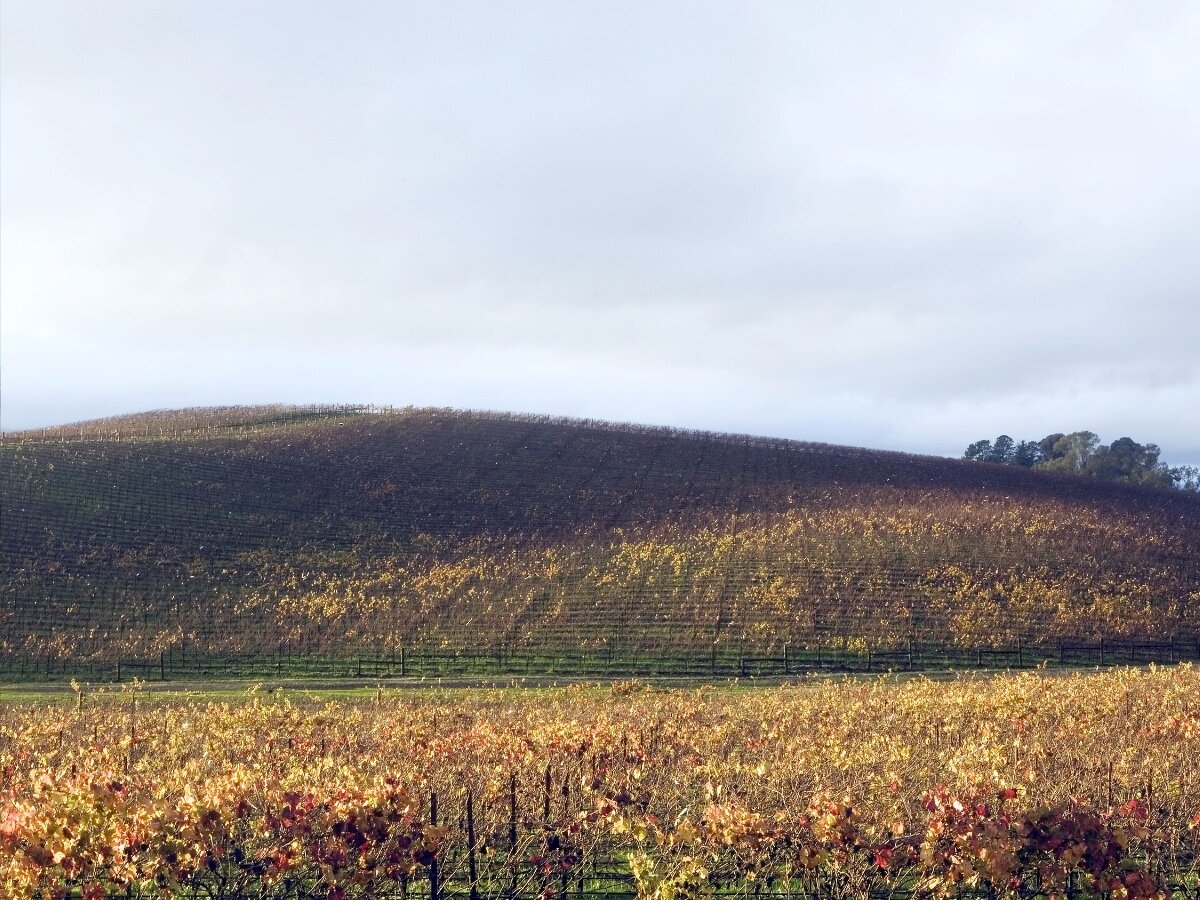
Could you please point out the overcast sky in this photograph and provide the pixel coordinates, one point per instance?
(897, 225)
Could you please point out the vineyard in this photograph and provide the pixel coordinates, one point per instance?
(378, 541)
(1009, 786)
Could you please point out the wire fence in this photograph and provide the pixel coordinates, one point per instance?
(536, 854)
(618, 886)
(178, 664)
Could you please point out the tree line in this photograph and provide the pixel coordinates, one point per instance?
(1082, 453)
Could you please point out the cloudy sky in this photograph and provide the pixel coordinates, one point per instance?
(893, 225)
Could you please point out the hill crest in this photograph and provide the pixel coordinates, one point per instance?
(339, 530)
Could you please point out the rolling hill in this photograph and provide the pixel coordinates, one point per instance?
(340, 533)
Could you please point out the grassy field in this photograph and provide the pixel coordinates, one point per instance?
(1010, 785)
(233, 690)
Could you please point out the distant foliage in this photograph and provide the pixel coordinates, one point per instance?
(1082, 453)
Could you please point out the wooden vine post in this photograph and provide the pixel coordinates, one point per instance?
(132, 729)
(512, 834)
(472, 869)
(566, 817)
(433, 863)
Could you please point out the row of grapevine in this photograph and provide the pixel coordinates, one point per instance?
(349, 531)
(1022, 786)
(715, 662)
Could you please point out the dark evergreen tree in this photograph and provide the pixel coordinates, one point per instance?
(1028, 454)
(1003, 450)
(979, 451)
(1127, 460)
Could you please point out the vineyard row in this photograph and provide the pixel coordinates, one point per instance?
(177, 663)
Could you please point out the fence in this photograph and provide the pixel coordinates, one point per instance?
(180, 663)
(536, 854)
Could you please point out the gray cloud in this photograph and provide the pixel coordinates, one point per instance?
(904, 226)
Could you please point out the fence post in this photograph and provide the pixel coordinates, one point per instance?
(512, 834)
(1020, 655)
(472, 871)
(566, 817)
(132, 730)
(433, 864)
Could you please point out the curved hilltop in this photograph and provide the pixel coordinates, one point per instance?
(334, 531)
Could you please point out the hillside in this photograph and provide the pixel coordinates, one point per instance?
(339, 531)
